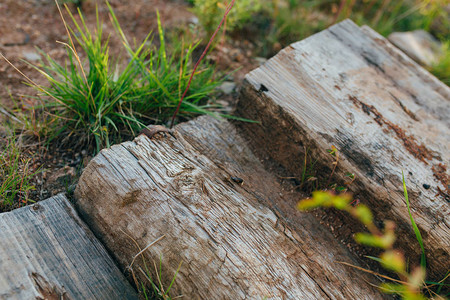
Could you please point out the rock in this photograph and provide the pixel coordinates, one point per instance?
(419, 45)
(260, 60)
(227, 87)
(31, 56)
(193, 20)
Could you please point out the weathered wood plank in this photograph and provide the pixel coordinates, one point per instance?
(231, 245)
(350, 88)
(46, 252)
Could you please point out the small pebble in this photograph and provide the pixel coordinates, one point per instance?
(31, 56)
(227, 87)
(260, 60)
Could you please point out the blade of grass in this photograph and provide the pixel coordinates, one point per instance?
(423, 262)
(173, 279)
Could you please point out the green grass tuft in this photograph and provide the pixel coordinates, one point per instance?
(16, 173)
(158, 290)
(423, 261)
(97, 103)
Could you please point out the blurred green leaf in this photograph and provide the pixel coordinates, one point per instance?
(417, 278)
(367, 239)
(392, 288)
(423, 259)
(363, 213)
(394, 261)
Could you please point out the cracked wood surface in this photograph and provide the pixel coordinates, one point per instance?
(349, 87)
(47, 252)
(231, 245)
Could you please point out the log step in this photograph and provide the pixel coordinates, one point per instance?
(47, 252)
(348, 87)
(207, 195)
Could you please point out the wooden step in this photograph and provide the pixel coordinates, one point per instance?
(47, 252)
(208, 197)
(348, 87)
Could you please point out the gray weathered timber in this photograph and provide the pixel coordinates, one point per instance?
(349, 87)
(47, 252)
(231, 245)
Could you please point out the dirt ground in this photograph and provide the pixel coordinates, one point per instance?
(28, 25)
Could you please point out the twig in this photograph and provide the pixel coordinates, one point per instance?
(282, 177)
(20, 72)
(5, 112)
(150, 280)
(372, 272)
(71, 41)
(146, 247)
(158, 275)
(200, 59)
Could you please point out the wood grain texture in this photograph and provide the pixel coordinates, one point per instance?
(231, 244)
(46, 252)
(349, 87)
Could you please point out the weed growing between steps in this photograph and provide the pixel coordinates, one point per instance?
(411, 284)
(309, 180)
(158, 291)
(95, 103)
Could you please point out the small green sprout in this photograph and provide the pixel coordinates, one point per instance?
(410, 285)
